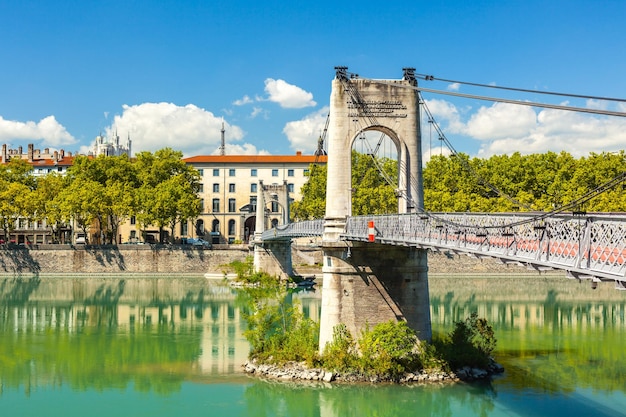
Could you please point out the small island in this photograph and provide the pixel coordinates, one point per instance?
(284, 344)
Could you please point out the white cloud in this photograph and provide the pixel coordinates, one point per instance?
(501, 120)
(506, 128)
(48, 131)
(303, 134)
(287, 95)
(454, 87)
(558, 130)
(189, 129)
(242, 101)
(445, 112)
(256, 111)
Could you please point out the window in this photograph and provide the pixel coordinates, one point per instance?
(231, 227)
(231, 172)
(201, 204)
(306, 172)
(253, 203)
(201, 172)
(274, 173)
(253, 188)
(133, 220)
(231, 188)
(183, 228)
(199, 227)
(216, 226)
(274, 206)
(200, 188)
(60, 169)
(216, 172)
(290, 172)
(231, 205)
(290, 188)
(216, 188)
(253, 172)
(216, 205)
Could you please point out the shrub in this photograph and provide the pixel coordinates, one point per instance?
(389, 349)
(340, 354)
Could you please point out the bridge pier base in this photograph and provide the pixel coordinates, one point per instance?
(274, 257)
(371, 284)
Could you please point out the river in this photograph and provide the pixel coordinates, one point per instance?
(173, 346)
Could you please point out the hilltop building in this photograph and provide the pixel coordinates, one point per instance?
(111, 147)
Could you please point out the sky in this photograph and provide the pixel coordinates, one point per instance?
(170, 73)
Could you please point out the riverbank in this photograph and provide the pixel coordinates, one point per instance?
(294, 371)
(187, 259)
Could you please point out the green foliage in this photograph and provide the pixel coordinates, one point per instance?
(243, 269)
(276, 327)
(278, 332)
(470, 343)
(313, 203)
(389, 349)
(341, 354)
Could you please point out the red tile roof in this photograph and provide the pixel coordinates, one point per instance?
(251, 159)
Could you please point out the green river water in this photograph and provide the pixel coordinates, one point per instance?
(173, 346)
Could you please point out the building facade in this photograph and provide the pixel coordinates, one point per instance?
(230, 188)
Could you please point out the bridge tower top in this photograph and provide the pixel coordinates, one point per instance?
(358, 105)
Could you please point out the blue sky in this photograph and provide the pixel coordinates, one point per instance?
(168, 73)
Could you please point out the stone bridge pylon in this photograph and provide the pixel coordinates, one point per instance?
(368, 283)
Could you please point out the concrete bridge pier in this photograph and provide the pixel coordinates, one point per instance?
(366, 284)
(274, 257)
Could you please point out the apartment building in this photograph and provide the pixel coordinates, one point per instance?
(230, 188)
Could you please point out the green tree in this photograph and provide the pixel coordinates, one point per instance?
(168, 191)
(313, 202)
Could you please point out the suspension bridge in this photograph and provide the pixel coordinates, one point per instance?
(375, 268)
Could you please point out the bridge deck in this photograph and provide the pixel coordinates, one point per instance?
(585, 246)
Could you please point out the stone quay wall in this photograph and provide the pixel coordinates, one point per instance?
(133, 259)
(163, 259)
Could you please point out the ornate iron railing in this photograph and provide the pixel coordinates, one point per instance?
(587, 246)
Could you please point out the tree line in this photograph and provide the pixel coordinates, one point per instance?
(458, 183)
(158, 189)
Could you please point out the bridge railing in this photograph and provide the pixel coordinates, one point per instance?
(587, 246)
(309, 228)
(582, 244)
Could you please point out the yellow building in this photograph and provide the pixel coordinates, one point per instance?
(229, 188)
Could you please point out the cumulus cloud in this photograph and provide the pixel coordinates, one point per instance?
(501, 120)
(504, 128)
(48, 132)
(288, 95)
(454, 87)
(446, 114)
(554, 130)
(190, 129)
(303, 134)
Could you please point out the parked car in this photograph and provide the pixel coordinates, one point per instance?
(198, 242)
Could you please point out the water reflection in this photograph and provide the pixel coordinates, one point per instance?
(101, 333)
(558, 341)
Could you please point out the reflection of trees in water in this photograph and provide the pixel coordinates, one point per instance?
(553, 343)
(17, 290)
(274, 398)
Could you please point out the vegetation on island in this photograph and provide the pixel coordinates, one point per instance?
(156, 188)
(279, 333)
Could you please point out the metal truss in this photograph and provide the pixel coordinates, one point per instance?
(586, 246)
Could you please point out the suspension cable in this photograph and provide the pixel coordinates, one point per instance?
(432, 78)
